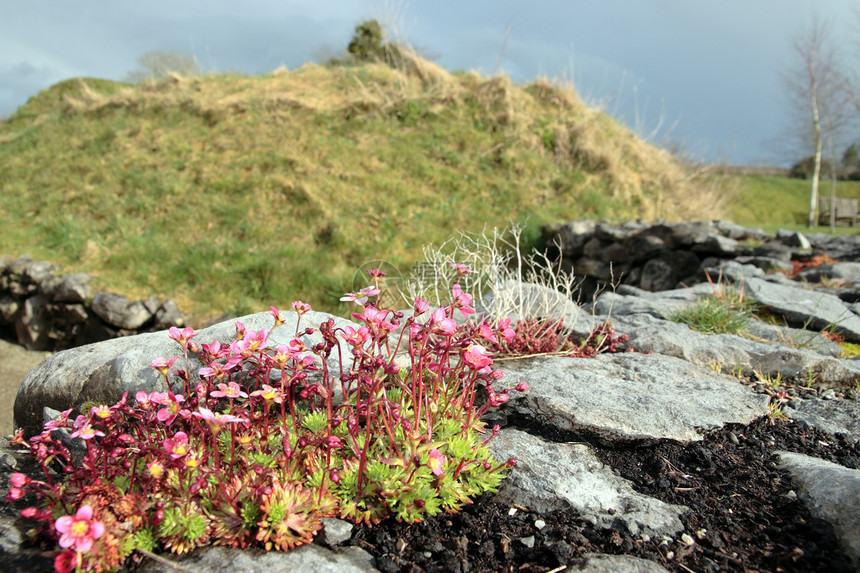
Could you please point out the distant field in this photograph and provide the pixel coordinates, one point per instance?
(772, 203)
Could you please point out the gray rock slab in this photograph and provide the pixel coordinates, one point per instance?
(791, 337)
(804, 367)
(118, 311)
(832, 493)
(602, 563)
(833, 416)
(660, 336)
(814, 310)
(815, 359)
(848, 272)
(231, 560)
(552, 476)
(334, 532)
(101, 372)
(630, 397)
(517, 301)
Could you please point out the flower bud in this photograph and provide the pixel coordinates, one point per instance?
(420, 503)
(193, 347)
(19, 480)
(521, 387)
(15, 493)
(511, 463)
(29, 512)
(333, 442)
(334, 476)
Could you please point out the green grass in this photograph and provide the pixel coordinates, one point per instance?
(229, 193)
(725, 312)
(773, 203)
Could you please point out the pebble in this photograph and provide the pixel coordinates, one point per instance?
(791, 494)
(829, 394)
(540, 523)
(687, 539)
(528, 541)
(733, 438)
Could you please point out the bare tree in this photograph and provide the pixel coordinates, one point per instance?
(819, 93)
(157, 64)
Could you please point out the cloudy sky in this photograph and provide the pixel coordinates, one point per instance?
(702, 74)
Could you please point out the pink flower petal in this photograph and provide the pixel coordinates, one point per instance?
(64, 524)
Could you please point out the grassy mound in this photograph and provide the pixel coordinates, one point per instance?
(230, 192)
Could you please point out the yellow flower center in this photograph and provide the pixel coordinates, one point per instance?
(80, 528)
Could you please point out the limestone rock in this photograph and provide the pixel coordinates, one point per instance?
(602, 563)
(514, 300)
(119, 311)
(552, 476)
(831, 492)
(71, 288)
(31, 328)
(833, 416)
(631, 397)
(815, 310)
(306, 558)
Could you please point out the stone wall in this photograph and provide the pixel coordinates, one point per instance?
(666, 256)
(43, 310)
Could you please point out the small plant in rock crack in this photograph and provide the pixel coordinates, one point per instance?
(545, 336)
(263, 442)
(725, 311)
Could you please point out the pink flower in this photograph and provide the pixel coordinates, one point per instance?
(362, 295)
(177, 446)
(476, 356)
(162, 365)
(462, 300)
(60, 422)
(230, 390)
(240, 330)
(421, 306)
(300, 307)
(376, 273)
(217, 370)
(83, 430)
(250, 343)
(181, 336)
(356, 337)
(276, 314)
(269, 394)
(79, 531)
(461, 269)
(436, 461)
(100, 411)
(215, 419)
(441, 324)
(505, 331)
(487, 333)
(171, 409)
(375, 319)
(212, 352)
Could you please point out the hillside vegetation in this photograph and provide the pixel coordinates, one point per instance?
(229, 192)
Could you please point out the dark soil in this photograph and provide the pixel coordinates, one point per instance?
(744, 515)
